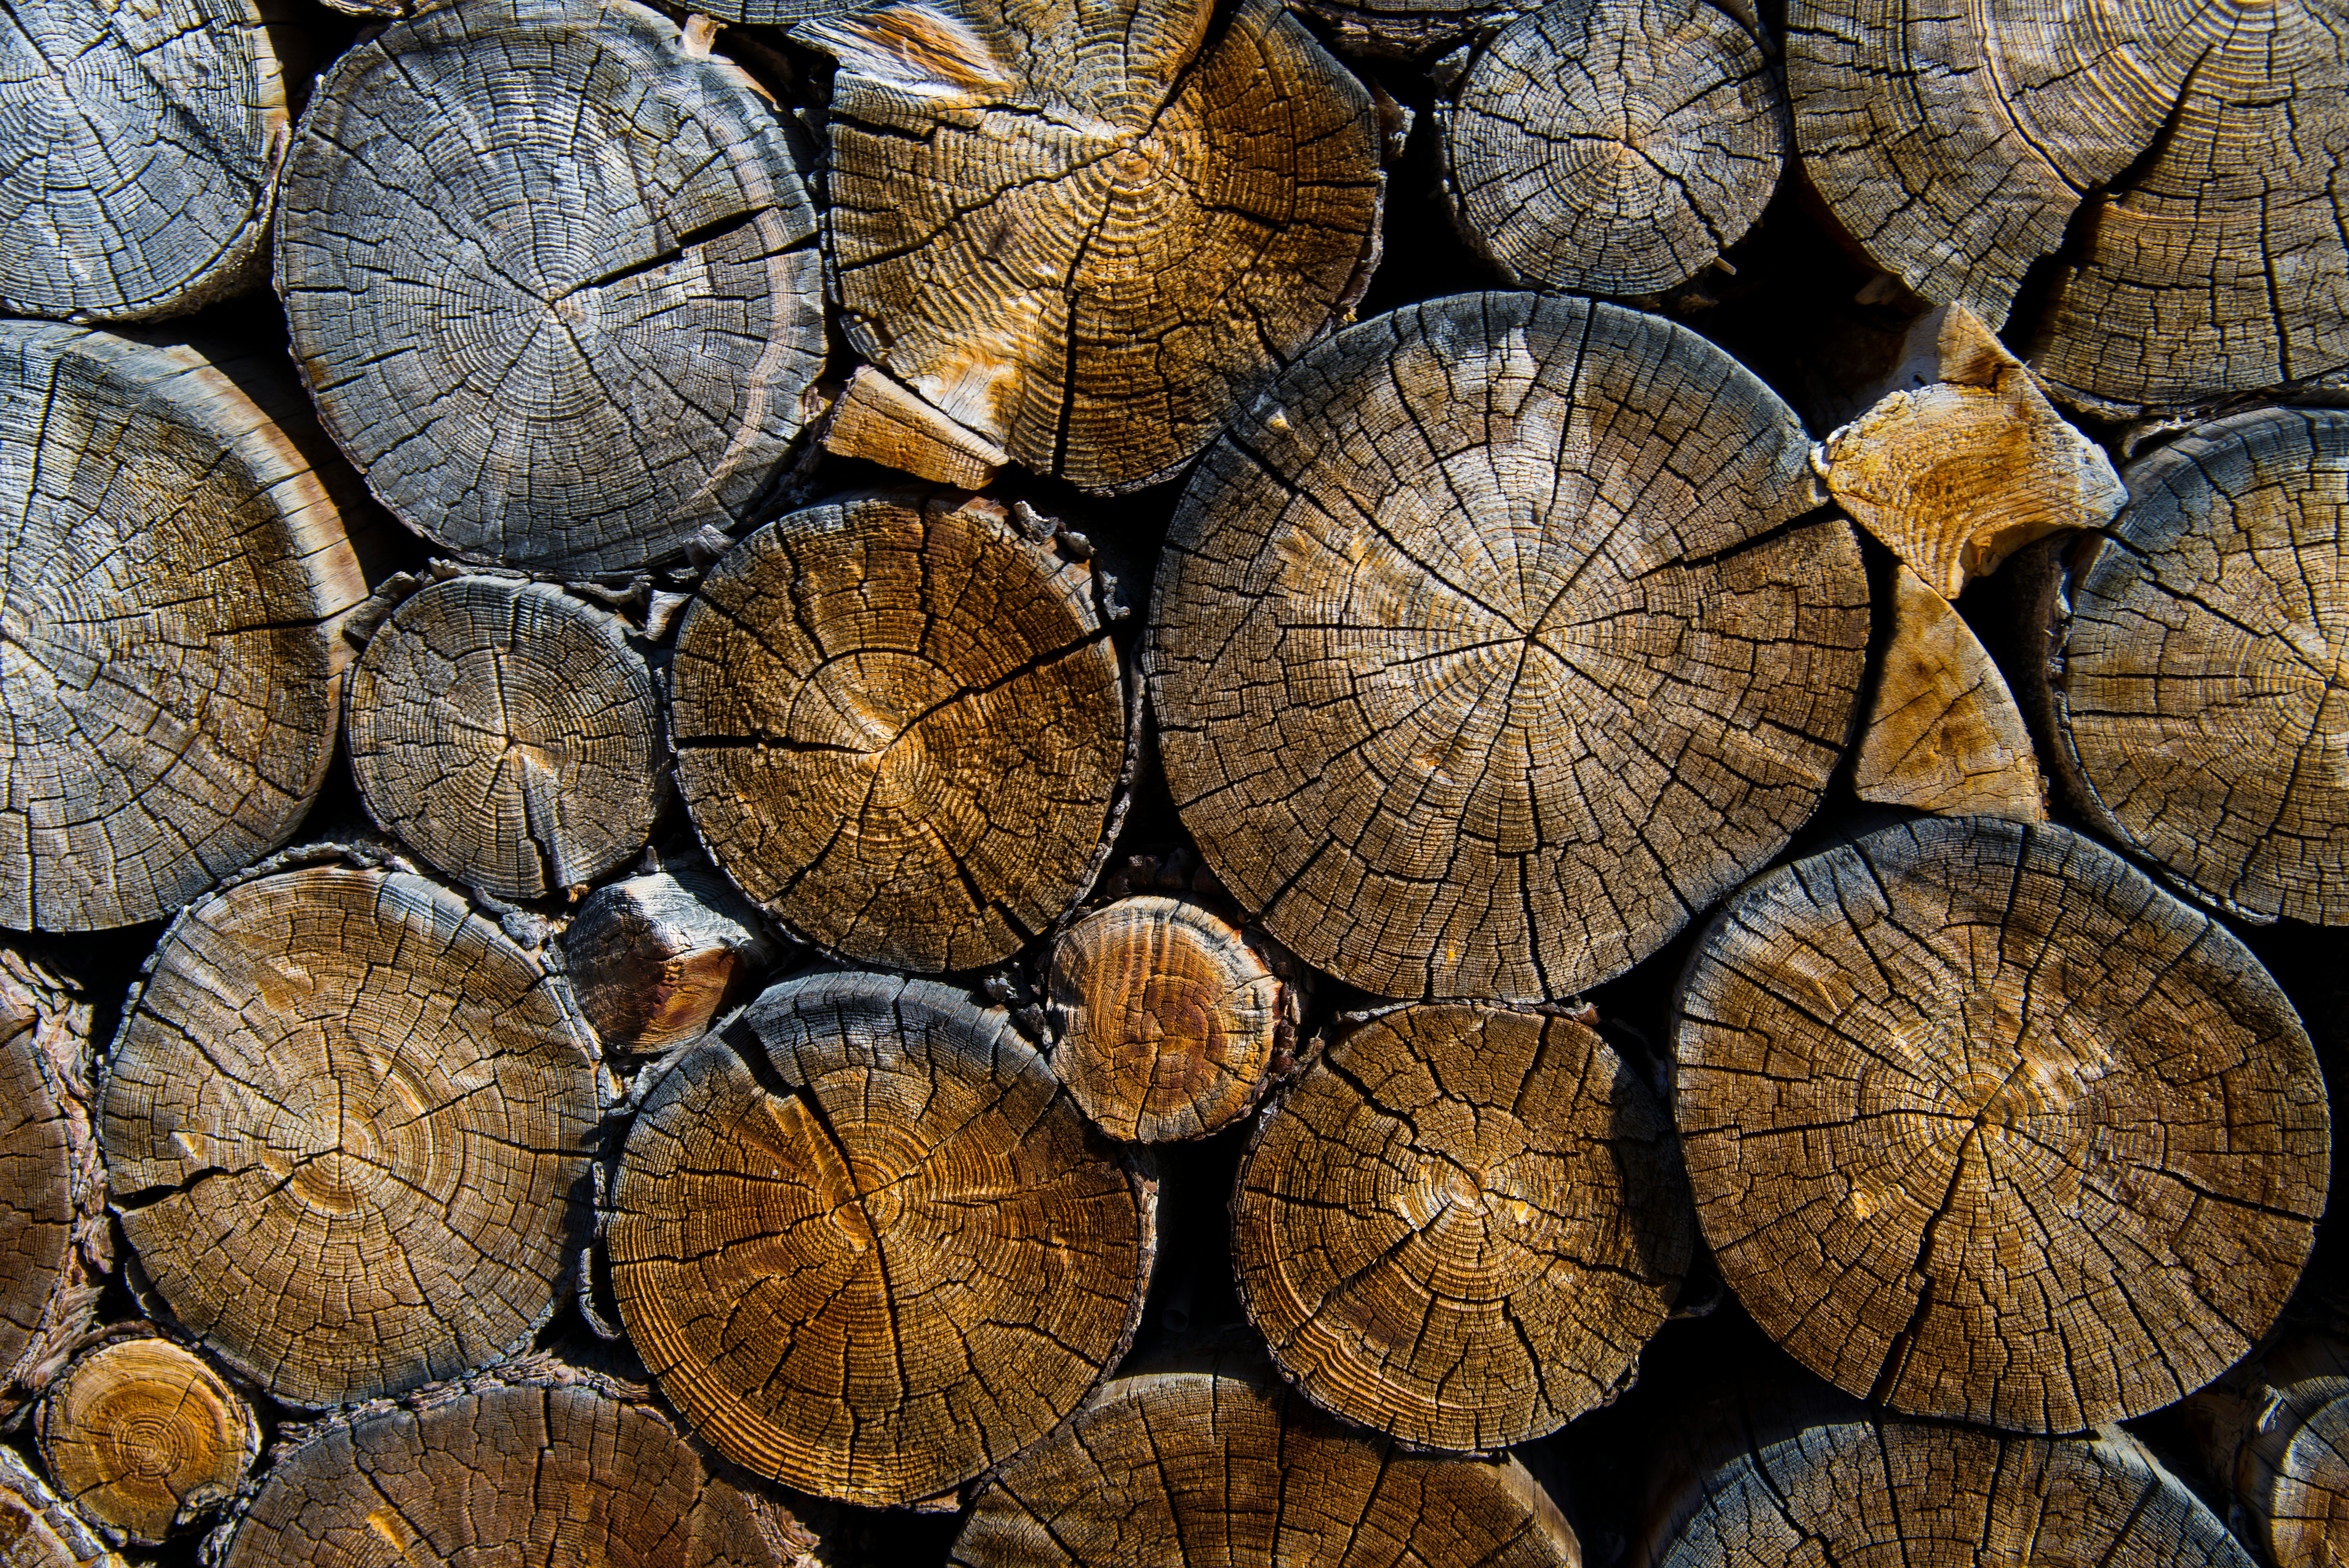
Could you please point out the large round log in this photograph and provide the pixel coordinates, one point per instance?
(1462, 1226)
(348, 1127)
(39, 1530)
(175, 570)
(901, 727)
(1982, 1124)
(1193, 1467)
(140, 143)
(509, 732)
(550, 274)
(53, 1234)
(144, 1436)
(1498, 638)
(2194, 686)
(865, 1244)
(1086, 233)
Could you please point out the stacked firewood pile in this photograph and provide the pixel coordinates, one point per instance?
(1002, 782)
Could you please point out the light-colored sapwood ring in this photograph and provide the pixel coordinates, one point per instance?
(170, 580)
(54, 1243)
(1498, 638)
(347, 1125)
(867, 1247)
(144, 1436)
(550, 273)
(39, 1530)
(1984, 1125)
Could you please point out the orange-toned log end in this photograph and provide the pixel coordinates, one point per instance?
(144, 1436)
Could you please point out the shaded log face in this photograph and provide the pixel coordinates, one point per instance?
(1479, 655)
(867, 1247)
(654, 958)
(1088, 232)
(138, 142)
(1982, 1124)
(170, 570)
(509, 732)
(143, 1436)
(901, 726)
(550, 275)
(46, 1169)
(2203, 710)
(37, 1531)
(1462, 1226)
(1943, 732)
(347, 1126)
(1228, 1472)
(2292, 1475)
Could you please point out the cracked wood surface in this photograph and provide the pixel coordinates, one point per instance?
(143, 1436)
(1462, 1226)
(39, 1530)
(171, 577)
(1615, 147)
(654, 958)
(510, 734)
(2273, 1434)
(138, 144)
(1218, 1471)
(1943, 733)
(1088, 233)
(1982, 1124)
(348, 1124)
(901, 727)
(1497, 639)
(2197, 688)
(865, 1244)
(53, 1240)
(551, 276)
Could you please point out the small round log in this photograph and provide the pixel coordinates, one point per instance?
(53, 1234)
(2194, 689)
(508, 734)
(145, 1437)
(1498, 637)
(1462, 1226)
(1982, 1124)
(2273, 1434)
(1193, 1468)
(1165, 1018)
(1086, 234)
(867, 1247)
(901, 727)
(348, 1127)
(549, 271)
(141, 142)
(496, 1474)
(175, 570)
(653, 959)
(37, 1529)
(1615, 147)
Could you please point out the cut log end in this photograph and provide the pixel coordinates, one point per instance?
(1943, 733)
(52, 1187)
(145, 1438)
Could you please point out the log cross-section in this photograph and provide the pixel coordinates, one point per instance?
(143, 1436)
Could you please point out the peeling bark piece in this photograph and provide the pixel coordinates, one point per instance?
(1193, 1468)
(509, 732)
(2199, 710)
(169, 580)
(1984, 1125)
(1615, 147)
(551, 276)
(36, 1530)
(348, 1127)
(1462, 1226)
(512, 1475)
(1164, 1019)
(1087, 233)
(867, 1247)
(2275, 1434)
(653, 959)
(879, 420)
(1943, 734)
(140, 142)
(1497, 638)
(145, 1438)
(901, 727)
(53, 1232)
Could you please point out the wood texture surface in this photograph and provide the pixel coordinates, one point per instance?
(53, 1237)
(883, 421)
(652, 959)
(2273, 1435)
(39, 1530)
(1943, 733)
(1498, 638)
(144, 1436)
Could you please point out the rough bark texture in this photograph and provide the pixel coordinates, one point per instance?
(549, 273)
(880, 421)
(1943, 733)
(865, 1244)
(1616, 147)
(144, 1436)
(138, 144)
(653, 959)
(2194, 686)
(1982, 1124)
(902, 728)
(37, 1529)
(2273, 1434)
(1497, 639)
(1087, 233)
(1462, 1226)
(54, 1243)
(510, 734)
(347, 1123)
(171, 578)
(1230, 1472)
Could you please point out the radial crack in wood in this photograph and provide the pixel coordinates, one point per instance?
(348, 1127)
(1982, 1124)
(2273, 1434)
(54, 1247)
(37, 1529)
(654, 958)
(1499, 637)
(1943, 733)
(145, 1437)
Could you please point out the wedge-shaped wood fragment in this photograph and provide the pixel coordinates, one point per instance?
(877, 418)
(145, 1437)
(1943, 734)
(654, 958)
